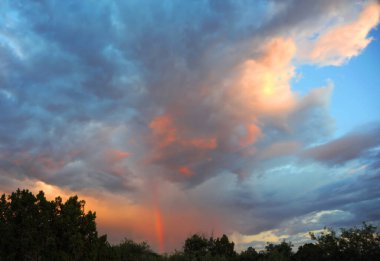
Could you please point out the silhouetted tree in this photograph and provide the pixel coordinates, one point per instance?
(278, 252)
(176, 256)
(128, 250)
(33, 228)
(361, 243)
(199, 248)
(196, 247)
(310, 252)
(249, 255)
(221, 247)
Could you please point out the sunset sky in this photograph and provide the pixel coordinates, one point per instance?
(256, 119)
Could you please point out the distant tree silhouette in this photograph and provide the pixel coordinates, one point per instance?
(249, 255)
(310, 252)
(357, 243)
(128, 250)
(221, 247)
(278, 252)
(196, 247)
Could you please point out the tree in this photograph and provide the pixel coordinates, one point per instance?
(200, 248)
(249, 255)
(279, 252)
(128, 250)
(222, 247)
(310, 252)
(357, 243)
(19, 226)
(196, 247)
(33, 228)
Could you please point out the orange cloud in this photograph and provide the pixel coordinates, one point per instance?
(114, 156)
(186, 171)
(166, 133)
(252, 133)
(341, 43)
(164, 130)
(262, 88)
(207, 144)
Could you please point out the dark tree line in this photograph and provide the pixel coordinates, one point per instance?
(33, 228)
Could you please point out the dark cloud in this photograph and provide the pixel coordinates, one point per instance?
(348, 201)
(348, 147)
(307, 198)
(125, 63)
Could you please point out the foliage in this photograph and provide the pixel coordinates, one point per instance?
(249, 255)
(309, 252)
(279, 252)
(197, 247)
(355, 243)
(33, 228)
(222, 247)
(129, 250)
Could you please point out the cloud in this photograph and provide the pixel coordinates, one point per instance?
(191, 99)
(262, 87)
(258, 241)
(297, 196)
(340, 43)
(295, 230)
(349, 147)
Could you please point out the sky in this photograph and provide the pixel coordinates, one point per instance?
(254, 119)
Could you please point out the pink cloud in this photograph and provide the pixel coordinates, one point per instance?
(202, 143)
(115, 156)
(163, 129)
(186, 171)
(262, 87)
(343, 42)
(166, 132)
(252, 134)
